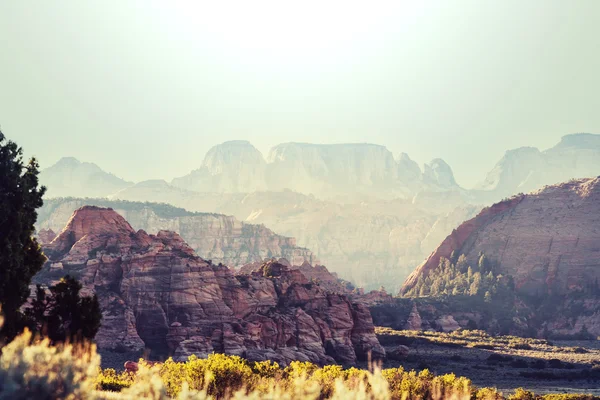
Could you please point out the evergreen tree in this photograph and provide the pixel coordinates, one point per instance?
(482, 263)
(461, 264)
(63, 314)
(487, 297)
(476, 285)
(20, 255)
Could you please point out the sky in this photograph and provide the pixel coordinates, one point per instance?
(145, 88)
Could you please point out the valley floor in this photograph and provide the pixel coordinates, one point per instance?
(504, 362)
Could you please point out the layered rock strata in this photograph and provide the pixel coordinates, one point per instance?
(217, 237)
(156, 293)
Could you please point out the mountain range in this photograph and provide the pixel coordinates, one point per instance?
(344, 172)
(368, 216)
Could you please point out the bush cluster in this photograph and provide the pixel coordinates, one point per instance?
(32, 369)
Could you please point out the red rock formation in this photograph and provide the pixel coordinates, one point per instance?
(548, 242)
(217, 237)
(156, 293)
(318, 274)
(45, 236)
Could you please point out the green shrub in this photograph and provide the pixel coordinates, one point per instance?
(110, 380)
(522, 394)
(42, 371)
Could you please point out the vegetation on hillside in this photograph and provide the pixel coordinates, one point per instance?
(459, 287)
(461, 279)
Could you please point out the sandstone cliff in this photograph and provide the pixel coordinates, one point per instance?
(45, 236)
(359, 170)
(234, 166)
(156, 293)
(547, 242)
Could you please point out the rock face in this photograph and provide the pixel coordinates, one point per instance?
(230, 167)
(317, 274)
(439, 173)
(216, 237)
(45, 236)
(156, 293)
(326, 171)
(330, 169)
(527, 168)
(547, 241)
(70, 177)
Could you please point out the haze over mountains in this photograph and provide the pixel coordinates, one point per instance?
(527, 168)
(367, 215)
(328, 171)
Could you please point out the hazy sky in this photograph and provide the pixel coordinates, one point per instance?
(145, 88)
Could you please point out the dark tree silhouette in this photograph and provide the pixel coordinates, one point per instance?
(20, 255)
(62, 314)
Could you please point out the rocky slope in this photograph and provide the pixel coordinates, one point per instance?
(317, 273)
(70, 177)
(45, 236)
(547, 241)
(156, 293)
(216, 237)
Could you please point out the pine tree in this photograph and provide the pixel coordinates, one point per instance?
(483, 264)
(476, 285)
(487, 297)
(20, 255)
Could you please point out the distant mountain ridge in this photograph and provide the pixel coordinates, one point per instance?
(350, 172)
(526, 169)
(71, 177)
(324, 170)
